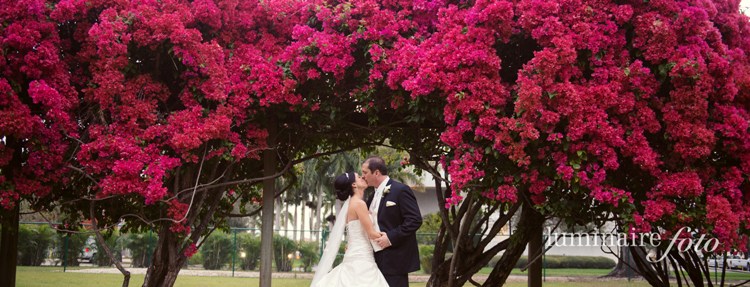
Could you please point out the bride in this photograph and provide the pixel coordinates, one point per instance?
(358, 267)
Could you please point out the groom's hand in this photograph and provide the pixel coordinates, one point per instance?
(383, 240)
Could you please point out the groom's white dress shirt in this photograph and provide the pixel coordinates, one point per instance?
(374, 207)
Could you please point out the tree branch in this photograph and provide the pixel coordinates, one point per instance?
(103, 244)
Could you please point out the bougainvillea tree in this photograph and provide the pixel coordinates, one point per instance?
(165, 97)
(381, 47)
(588, 110)
(636, 109)
(36, 101)
(181, 89)
(168, 107)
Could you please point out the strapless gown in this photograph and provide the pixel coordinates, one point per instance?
(358, 267)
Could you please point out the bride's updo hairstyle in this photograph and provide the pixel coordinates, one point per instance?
(343, 185)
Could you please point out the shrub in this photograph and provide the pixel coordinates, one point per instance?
(559, 261)
(308, 254)
(196, 259)
(141, 247)
(425, 257)
(579, 262)
(427, 233)
(69, 247)
(216, 250)
(340, 255)
(115, 242)
(33, 244)
(250, 244)
(282, 247)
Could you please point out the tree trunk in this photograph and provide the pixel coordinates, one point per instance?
(319, 214)
(625, 265)
(286, 216)
(535, 253)
(294, 224)
(303, 237)
(530, 221)
(269, 191)
(9, 246)
(167, 260)
(311, 223)
(106, 249)
(475, 250)
(277, 215)
(169, 255)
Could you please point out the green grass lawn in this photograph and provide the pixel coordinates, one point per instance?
(39, 277)
(53, 277)
(564, 272)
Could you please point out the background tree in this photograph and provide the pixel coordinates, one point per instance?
(625, 111)
(37, 99)
(314, 184)
(585, 110)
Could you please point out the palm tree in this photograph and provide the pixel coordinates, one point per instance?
(314, 186)
(393, 159)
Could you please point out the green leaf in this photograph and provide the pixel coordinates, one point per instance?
(460, 95)
(664, 69)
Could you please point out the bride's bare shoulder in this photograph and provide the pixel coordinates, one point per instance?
(356, 202)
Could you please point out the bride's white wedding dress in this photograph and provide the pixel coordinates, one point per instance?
(358, 267)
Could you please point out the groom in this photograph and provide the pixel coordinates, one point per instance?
(398, 219)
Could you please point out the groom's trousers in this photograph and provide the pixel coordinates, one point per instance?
(401, 280)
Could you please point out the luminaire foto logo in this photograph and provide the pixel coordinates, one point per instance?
(648, 240)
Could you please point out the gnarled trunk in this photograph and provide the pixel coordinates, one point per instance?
(8, 246)
(690, 268)
(472, 223)
(529, 224)
(167, 260)
(625, 265)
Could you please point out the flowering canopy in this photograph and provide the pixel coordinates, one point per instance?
(639, 108)
(36, 100)
(636, 104)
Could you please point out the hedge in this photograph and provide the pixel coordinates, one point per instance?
(308, 255)
(216, 251)
(69, 246)
(425, 257)
(141, 247)
(250, 244)
(282, 247)
(33, 244)
(115, 242)
(559, 261)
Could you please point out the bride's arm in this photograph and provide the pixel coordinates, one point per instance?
(360, 207)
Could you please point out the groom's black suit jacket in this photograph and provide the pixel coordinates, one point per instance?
(400, 221)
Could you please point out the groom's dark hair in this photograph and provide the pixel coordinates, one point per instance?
(377, 163)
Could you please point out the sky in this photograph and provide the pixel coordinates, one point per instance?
(745, 6)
